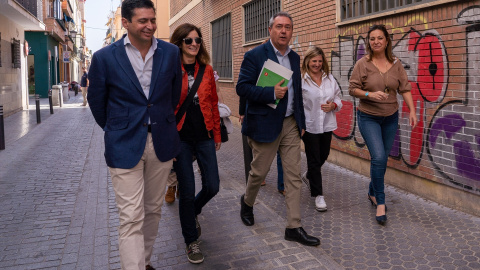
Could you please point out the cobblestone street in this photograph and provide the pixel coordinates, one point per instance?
(57, 211)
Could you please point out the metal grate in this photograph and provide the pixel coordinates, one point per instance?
(31, 6)
(257, 14)
(351, 9)
(222, 46)
(16, 53)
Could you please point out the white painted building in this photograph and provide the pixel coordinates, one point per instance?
(16, 17)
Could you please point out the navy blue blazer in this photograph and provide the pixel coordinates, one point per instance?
(121, 108)
(261, 122)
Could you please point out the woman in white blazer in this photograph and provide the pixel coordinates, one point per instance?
(321, 99)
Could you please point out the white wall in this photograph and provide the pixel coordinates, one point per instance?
(13, 81)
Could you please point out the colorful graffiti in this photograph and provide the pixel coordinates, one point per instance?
(448, 131)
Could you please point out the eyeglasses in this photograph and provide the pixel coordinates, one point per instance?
(279, 27)
(189, 41)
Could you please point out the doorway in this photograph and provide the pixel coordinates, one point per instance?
(31, 74)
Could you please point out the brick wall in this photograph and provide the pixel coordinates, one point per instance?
(177, 5)
(439, 47)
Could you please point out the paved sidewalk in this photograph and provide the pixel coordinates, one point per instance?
(57, 211)
(20, 123)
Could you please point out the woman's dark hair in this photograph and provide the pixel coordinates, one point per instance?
(128, 7)
(182, 32)
(311, 53)
(388, 49)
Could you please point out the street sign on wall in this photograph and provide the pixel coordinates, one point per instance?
(66, 57)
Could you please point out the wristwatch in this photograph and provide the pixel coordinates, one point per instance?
(366, 94)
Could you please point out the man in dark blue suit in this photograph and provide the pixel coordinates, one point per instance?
(135, 86)
(269, 129)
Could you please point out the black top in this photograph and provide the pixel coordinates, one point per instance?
(83, 81)
(194, 128)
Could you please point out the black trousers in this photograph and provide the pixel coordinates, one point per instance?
(317, 149)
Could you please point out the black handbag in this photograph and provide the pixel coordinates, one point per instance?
(223, 131)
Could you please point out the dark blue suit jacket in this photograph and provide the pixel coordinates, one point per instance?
(121, 108)
(261, 122)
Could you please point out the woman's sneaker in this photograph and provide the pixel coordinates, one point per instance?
(194, 254)
(320, 204)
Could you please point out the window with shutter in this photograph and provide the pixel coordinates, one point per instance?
(257, 14)
(222, 46)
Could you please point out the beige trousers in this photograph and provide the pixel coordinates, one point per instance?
(139, 194)
(84, 94)
(172, 180)
(288, 144)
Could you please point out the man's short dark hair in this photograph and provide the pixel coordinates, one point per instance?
(129, 5)
(279, 14)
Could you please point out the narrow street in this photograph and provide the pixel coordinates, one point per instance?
(57, 211)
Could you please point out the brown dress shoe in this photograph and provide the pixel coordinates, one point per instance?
(170, 195)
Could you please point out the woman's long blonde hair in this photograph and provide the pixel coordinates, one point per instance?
(311, 53)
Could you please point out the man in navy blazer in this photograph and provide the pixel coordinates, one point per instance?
(135, 86)
(269, 129)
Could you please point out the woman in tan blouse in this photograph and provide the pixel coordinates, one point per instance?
(376, 79)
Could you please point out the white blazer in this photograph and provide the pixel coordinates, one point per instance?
(316, 120)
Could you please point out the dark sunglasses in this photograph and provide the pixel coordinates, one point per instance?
(189, 41)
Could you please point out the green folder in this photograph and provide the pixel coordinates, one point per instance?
(272, 73)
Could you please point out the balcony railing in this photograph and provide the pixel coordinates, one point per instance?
(61, 23)
(67, 8)
(33, 6)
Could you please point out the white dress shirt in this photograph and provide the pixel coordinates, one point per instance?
(316, 120)
(285, 61)
(143, 69)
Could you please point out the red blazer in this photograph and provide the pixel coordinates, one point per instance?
(207, 95)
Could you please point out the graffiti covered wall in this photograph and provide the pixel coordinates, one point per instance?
(443, 67)
(439, 46)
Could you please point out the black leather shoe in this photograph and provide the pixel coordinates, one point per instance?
(299, 235)
(246, 213)
(149, 267)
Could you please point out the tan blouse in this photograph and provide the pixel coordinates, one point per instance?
(367, 77)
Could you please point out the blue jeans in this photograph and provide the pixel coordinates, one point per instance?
(280, 185)
(379, 134)
(190, 205)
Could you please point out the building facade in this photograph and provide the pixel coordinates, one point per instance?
(437, 42)
(163, 15)
(116, 30)
(16, 17)
(56, 53)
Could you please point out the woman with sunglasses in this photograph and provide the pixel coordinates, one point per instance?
(376, 79)
(199, 130)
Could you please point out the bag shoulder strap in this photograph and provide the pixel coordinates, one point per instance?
(191, 94)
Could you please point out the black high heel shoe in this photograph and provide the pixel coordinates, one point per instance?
(381, 219)
(374, 204)
(371, 201)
